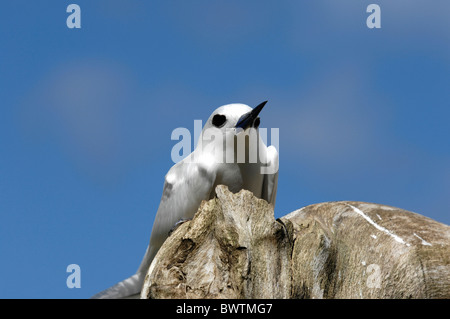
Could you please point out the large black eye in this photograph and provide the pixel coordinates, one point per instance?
(219, 120)
(256, 122)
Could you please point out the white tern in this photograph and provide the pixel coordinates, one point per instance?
(229, 152)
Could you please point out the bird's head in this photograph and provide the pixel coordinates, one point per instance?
(230, 127)
(234, 118)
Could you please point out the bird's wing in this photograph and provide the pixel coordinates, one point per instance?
(186, 185)
(270, 182)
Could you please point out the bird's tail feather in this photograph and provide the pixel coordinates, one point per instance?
(131, 287)
(126, 289)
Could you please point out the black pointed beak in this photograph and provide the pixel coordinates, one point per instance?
(246, 120)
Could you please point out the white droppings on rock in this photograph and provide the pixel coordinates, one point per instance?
(424, 242)
(386, 231)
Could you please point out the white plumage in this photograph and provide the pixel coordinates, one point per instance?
(221, 157)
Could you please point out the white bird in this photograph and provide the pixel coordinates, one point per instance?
(220, 158)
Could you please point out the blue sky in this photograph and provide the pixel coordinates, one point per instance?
(87, 115)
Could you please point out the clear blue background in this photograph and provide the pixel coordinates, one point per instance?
(86, 117)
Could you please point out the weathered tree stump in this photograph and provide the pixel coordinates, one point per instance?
(234, 248)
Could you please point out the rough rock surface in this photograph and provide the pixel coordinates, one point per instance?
(234, 248)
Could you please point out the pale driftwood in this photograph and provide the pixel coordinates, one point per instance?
(234, 248)
(362, 250)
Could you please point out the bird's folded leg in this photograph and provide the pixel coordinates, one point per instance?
(178, 224)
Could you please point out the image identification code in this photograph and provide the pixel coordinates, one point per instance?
(238, 308)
